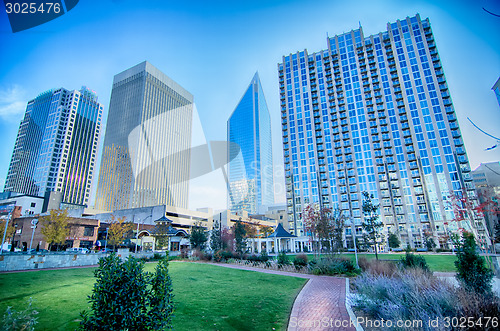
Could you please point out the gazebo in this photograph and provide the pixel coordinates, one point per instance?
(280, 240)
(176, 237)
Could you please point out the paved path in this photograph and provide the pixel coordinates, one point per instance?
(320, 304)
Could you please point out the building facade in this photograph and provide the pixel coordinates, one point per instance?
(486, 178)
(56, 146)
(250, 173)
(146, 155)
(374, 114)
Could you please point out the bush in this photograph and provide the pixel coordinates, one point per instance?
(333, 266)
(414, 261)
(264, 257)
(477, 306)
(300, 261)
(218, 256)
(125, 297)
(184, 253)
(19, 320)
(377, 267)
(411, 294)
(472, 272)
(283, 259)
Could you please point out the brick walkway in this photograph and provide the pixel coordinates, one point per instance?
(319, 306)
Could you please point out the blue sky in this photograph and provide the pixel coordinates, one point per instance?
(213, 49)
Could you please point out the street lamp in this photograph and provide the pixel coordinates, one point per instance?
(5, 232)
(34, 222)
(137, 234)
(13, 237)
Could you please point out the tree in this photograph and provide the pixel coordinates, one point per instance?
(198, 237)
(216, 237)
(468, 212)
(393, 240)
(429, 240)
(265, 231)
(10, 230)
(371, 225)
(227, 239)
(117, 230)
(326, 225)
(125, 297)
(239, 236)
(54, 227)
(472, 272)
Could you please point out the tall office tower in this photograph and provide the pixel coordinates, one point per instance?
(374, 114)
(56, 145)
(251, 173)
(145, 160)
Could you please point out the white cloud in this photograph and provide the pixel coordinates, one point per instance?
(12, 102)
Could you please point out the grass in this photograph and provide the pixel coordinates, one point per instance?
(207, 297)
(436, 262)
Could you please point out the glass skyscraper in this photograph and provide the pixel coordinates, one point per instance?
(374, 114)
(146, 153)
(496, 89)
(56, 145)
(250, 173)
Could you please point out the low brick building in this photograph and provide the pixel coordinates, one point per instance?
(82, 233)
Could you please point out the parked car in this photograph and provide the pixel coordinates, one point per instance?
(78, 250)
(106, 250)
(40, 251)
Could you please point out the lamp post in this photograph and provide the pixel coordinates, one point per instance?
(34, 222)
(137, 234)
(106, 242)
(13, 237)
(353, 230)
(5, 232)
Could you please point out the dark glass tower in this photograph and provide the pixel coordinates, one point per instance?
(56, 145)
(251, 172)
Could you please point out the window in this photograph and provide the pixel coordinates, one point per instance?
(88, 231)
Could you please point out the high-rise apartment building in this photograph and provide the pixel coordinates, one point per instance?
(374, 114)
(250, 174)
(56, 145)
(146, 155)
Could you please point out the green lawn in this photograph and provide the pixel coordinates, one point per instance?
(207, 297)
(437, 262)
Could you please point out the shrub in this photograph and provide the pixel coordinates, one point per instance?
(333, 266)
(411, 294)
(472, 272)
(477, 306)
(218, 256)
(300, 261)
(414, 261)
(196, 255)
(374, 267)
(283, 259)
(184, 253)
(122, 297)
(264, 257)
(19, 320)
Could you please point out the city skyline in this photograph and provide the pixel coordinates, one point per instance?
(56, 146)
(250, 175)
(146, 152)
(203, 46)
(374, 114)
